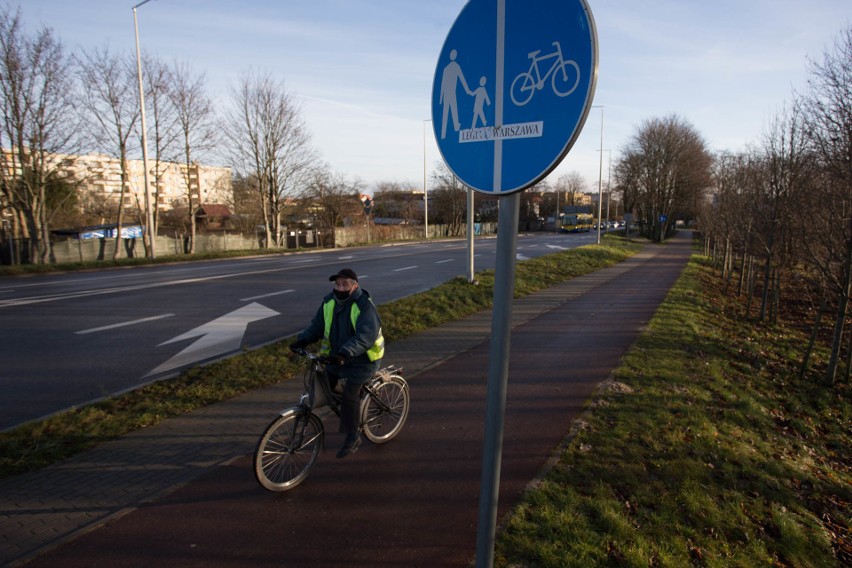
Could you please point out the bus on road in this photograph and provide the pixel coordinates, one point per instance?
(575, 222)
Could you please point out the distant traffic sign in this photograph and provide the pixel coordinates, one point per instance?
(512, 90)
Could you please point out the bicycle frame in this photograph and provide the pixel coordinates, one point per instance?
(316, 370)
(334, 399)
(535, 61)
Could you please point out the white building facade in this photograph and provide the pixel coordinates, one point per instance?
(99, 179)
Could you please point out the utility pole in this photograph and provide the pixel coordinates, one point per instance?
(149, 212)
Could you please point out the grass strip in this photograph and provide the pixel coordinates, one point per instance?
(694, 455)
(38, 444)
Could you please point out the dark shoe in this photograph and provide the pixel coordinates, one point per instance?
(349, 447)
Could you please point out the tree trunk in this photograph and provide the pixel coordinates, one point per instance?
(33, 252)
(742, 277)
(728, 267)
(842, 308)
(751, 282)
(120, 218)
(767, 285)
(44, 226)
(823, 299)
(775, 305)
(267, 222)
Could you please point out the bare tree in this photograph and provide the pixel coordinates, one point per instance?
(197, 131)
(449, 196)
(665, 170)
(569, 186)
(787, 168)
(729, 224)
(399, 200)
(162, 131)
(245, 203)
(535, 207)
(567, 191)
(332, 198)
(111, 101)
(271, 144)
(36, 97)
(828, 116)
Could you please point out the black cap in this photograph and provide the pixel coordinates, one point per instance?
(344, 273)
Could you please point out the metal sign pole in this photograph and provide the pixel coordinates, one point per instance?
(471, 274)
(498, 377)
(507, 148)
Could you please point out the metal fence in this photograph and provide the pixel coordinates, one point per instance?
(14, 251)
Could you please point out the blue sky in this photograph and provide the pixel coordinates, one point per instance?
(363, 69)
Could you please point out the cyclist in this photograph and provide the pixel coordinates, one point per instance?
(349, 326)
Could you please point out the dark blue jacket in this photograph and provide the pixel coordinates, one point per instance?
(346, 341)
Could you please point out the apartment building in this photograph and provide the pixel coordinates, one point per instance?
(99, 178)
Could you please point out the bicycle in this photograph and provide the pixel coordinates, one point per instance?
(526, 84)
(289, 447)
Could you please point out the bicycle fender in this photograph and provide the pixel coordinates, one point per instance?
(289, 411)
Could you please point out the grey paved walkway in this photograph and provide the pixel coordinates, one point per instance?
(42, 510)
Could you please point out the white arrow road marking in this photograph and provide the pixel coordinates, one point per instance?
(218, 337)
(521, 257)
(266, 295)
(556, 247)
(122, 324)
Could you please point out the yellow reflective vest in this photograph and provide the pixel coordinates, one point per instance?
(374, 353)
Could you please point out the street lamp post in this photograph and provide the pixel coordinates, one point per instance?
(425, 191)
(608, 190)
(600, 176)
(148, 197)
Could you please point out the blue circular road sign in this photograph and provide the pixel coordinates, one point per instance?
(512, 89)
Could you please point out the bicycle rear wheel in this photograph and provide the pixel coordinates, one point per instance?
(523, 88)
(288, 449)
(384, 409)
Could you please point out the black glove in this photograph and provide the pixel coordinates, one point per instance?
(298, 345)
(338, 359)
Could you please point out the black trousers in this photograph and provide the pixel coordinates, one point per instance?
(350, 407)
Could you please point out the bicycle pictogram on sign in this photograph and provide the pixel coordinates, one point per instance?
(564, 73)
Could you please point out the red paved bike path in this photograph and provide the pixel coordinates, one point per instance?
(414, 501)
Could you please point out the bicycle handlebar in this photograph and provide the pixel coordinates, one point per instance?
(323, 359)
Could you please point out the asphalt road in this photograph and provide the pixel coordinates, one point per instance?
(412, 502)
(69, 339)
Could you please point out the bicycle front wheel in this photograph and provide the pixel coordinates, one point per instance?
(288, 449)
(384, 409)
